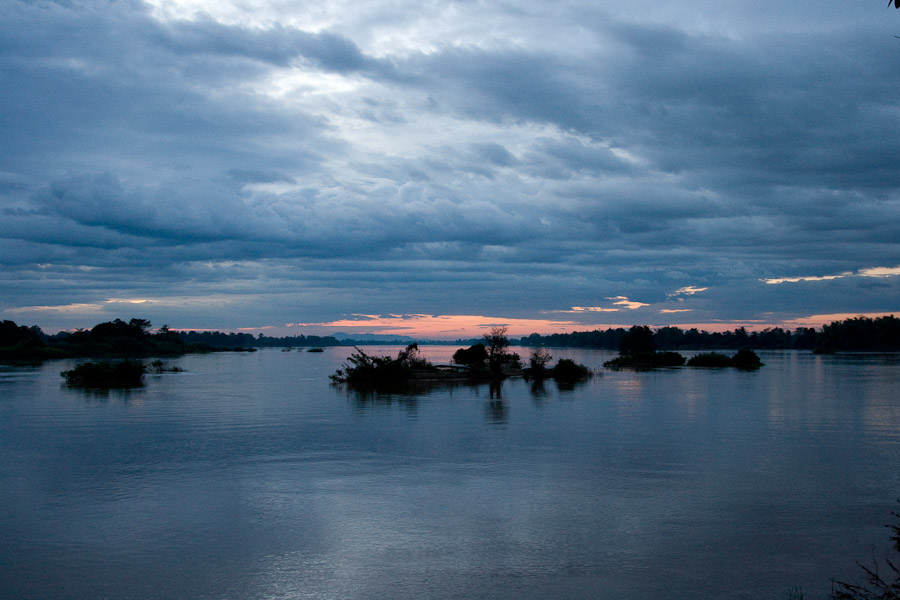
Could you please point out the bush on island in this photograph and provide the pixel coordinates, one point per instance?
(646, 360)
(490, 358)
(106, 375)
(364, 370)
(567, 370)
(637, 350)
(746, 359)
(743, 359)
(473, 356)
(710, 360)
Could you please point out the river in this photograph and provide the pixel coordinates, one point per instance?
(251, 476)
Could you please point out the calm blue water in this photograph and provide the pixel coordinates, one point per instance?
(250, 476)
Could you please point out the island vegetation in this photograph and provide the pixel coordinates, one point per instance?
(637, 350)
(745, 359)
(488, 360)
(566, 370)
(106, 375)
(364, 370)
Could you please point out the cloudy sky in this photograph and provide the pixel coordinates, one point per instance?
(438, 167)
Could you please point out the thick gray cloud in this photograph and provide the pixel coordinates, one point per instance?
(263, 167)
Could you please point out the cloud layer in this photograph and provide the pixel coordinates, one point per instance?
(251, 164)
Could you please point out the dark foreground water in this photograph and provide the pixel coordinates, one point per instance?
(249, 476)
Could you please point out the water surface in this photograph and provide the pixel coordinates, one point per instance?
(250, 476)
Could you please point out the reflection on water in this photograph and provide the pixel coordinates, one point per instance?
(496, 412)
(252, 476)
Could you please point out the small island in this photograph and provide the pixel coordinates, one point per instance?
(487, 361)
(106, 375)
(637, 350)
(745, 359)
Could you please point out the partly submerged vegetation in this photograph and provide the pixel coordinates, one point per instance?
(489, 360)
(114, 374)
(710, 360)
(566, 370)
(644, 361)
(364, 370)
(637, 350)
(743, 359)
(106, 375)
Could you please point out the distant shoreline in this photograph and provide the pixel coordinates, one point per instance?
(136, 339)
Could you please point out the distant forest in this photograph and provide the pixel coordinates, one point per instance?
(132, 339)
(217, 339)
(136, 338)
(881, 334)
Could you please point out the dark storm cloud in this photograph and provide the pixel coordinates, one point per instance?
(574, 155)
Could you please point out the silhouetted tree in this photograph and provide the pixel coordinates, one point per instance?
(539, 360)
(362, 369)
(638, 340)
(12, 334)
(473, 356)
(134, 329)
(498, 355)
(567, 370)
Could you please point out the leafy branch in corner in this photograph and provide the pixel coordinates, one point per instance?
(875, 587)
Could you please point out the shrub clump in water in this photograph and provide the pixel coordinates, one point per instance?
(567, 370)
(123, 374)
(362, 369)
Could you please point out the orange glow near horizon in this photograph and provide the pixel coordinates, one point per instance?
(819, 320)
(470, 326)
(450, 327)
(439, 326)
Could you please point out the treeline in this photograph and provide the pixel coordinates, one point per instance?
(217, 339)
(116, 338)
(133, 338)
(881, 334)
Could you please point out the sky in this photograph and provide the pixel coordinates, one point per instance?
(437, 168)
